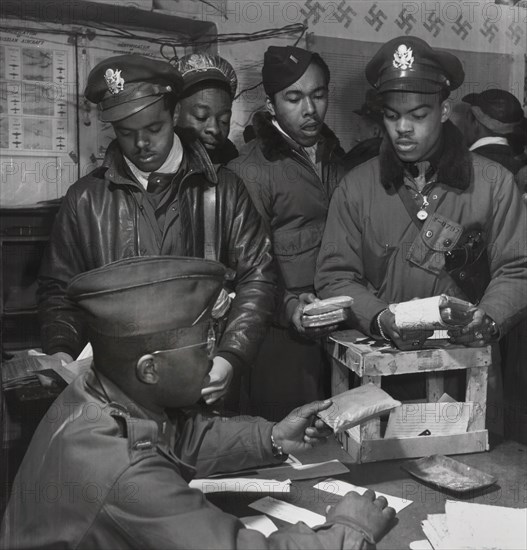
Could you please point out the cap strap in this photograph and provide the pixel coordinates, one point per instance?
(143, 89)
(417, 71)
(492, 123)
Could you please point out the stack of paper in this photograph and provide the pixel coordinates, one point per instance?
(468, 526)
(241, 485)
(342, 488)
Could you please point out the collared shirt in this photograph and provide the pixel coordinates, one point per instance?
(170, 166)
(489, 140)
(309, 152)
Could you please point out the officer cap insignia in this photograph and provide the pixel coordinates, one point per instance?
(114, 80)
(403, 57)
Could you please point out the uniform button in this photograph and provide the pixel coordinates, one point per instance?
(434, 197)
(462, 275)
(429, 233)
(447, 242)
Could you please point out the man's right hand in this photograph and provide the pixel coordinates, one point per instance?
(370, 514)
(405, 340)
(312, 332)
(63, 356)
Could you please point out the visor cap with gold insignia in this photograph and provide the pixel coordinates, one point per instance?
(284, 65)
(146, 295)
(203, 67)
(126, 84)
(409, 64)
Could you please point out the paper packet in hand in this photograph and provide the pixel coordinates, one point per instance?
(436, 312)
(357, 405)
(326, 312)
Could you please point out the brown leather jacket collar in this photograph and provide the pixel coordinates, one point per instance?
(195, 155)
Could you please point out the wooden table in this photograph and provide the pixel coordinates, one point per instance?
(507, 461)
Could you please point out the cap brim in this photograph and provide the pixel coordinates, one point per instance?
(472, 99)
(124, 110)
(415, 85)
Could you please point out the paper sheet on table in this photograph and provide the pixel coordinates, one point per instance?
(421, 545)
(296, 471)
(287, 512)
(260, 523)
(414, 419)
(241, 485)
(436, 531)
(342, 488)
(484, 526)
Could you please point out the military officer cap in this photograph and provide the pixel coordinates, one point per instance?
(284, 65)
(126, 84)
(498, 110)
(409, 64)
(142, 296)
(203, 67)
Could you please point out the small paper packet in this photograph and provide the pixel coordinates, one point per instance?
(357, 405)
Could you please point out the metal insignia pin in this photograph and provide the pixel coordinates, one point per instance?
(403, 57)
(114, 81)
(422, 215)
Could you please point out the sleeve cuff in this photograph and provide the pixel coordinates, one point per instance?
(237, 362)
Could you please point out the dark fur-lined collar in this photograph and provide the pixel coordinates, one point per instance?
(454, 167)
(275, 146)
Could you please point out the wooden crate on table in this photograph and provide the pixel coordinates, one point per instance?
(349, 351)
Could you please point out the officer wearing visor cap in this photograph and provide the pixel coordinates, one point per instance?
(423, 218)
(123, 441)
(147, 199)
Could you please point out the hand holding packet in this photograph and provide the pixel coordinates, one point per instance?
(437, 312)
(357, 405)
(327, 312)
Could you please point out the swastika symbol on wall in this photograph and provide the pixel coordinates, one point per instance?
(375, 18)
(514, 32)
(312, 10)
(344, 15)
(433, 24)
(461, 27)
(489, 30)
(405, 21)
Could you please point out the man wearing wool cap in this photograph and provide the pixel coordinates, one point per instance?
(291, 169)
(149, 198)
(122, 442)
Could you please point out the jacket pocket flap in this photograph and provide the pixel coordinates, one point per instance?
(293, 242)
(441, 234)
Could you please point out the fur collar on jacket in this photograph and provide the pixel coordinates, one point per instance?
(275, 146)
(454, 167)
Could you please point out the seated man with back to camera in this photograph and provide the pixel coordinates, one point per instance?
(121, 443)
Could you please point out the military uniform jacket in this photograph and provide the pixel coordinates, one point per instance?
(292, 198)
(373, 251)
(103, 473)
(106, 216)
